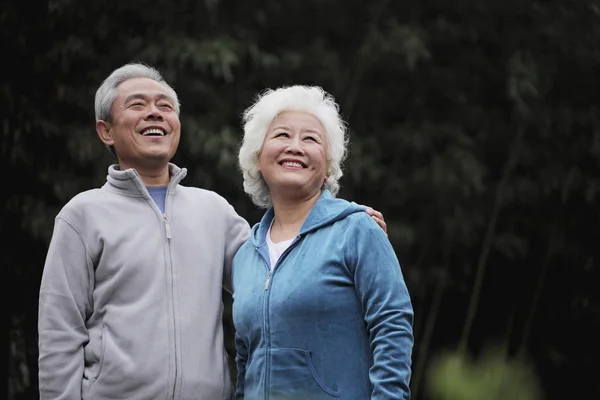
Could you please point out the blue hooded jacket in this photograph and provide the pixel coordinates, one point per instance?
(332, 320)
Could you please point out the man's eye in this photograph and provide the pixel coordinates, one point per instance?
(166, 106)
(137, 104)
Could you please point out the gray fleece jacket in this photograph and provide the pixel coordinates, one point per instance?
(130, 301)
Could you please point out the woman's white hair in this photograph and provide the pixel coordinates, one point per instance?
(268, 105)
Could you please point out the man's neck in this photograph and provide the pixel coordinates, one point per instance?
(151, 176)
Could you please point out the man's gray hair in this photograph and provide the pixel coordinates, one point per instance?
(107, 92)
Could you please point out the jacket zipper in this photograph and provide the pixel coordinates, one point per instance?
(266, 318)
(167, 226)
(266, 308)
(268, 280)
(286, 251)
(174, 181)
(168, 235)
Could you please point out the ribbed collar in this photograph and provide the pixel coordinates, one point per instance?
(129, 182)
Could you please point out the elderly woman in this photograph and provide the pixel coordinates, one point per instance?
(321, 309)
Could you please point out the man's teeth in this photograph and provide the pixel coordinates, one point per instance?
(153, 132)
(292, 164)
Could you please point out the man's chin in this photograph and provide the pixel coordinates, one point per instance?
(151, 160)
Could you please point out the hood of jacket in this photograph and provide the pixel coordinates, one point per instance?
(327, 210)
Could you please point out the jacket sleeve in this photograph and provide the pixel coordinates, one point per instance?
(64, 303)
(238, 231)
(240, 360)
(387, 310)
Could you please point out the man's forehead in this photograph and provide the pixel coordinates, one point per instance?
(143, 88)
(141, 85)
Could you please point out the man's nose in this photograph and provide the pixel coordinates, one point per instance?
(154, 113)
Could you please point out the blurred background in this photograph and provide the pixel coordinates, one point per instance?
(474, 128)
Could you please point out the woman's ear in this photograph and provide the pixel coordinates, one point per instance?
(257, 158)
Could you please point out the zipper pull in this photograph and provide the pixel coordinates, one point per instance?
(167, 227)
(268, 280)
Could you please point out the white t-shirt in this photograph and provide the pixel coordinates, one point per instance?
(276, 249)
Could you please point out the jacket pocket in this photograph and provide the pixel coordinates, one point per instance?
(102, 352)
(293, 375)
(94, 359)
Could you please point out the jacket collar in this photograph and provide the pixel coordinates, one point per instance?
(326, 211)
(129, 182)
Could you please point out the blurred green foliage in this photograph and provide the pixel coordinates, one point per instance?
(492, 377)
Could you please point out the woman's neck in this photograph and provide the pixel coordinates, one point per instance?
(289, 216)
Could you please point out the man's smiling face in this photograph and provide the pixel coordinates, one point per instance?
(145, 126)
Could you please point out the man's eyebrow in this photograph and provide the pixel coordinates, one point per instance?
(142, 96)
(135, 96)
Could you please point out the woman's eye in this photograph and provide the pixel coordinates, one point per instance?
(137, 104)
(281, 134)
(310, 138)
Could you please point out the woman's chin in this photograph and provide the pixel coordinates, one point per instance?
(294, 191)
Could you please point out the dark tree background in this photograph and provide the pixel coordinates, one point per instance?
(475, 129)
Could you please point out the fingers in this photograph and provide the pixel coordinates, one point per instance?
(377, 217)
(374, 213)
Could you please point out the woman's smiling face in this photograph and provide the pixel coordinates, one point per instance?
(293, 156)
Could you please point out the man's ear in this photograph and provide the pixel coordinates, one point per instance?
(104, 131)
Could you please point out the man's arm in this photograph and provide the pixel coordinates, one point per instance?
(238, 231)
(64, 302)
